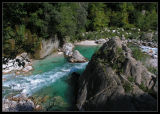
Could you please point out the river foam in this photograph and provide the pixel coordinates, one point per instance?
(30, 84)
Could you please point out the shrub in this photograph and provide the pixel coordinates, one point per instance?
(127, 87)
(137, 53)
(152, 70)
(131, 79)
(142, 86)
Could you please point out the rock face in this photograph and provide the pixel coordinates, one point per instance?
(67, 49)
(76, 57)
(114, 81)
(48, 46)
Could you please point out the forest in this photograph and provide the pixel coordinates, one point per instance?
(26, 24)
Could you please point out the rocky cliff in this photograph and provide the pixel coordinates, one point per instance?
(114, 81)
(47, 47)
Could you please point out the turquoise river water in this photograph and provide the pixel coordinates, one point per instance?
(49, 82)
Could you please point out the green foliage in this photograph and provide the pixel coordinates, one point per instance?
(99, 19)
(137, 53)
(152, 70)
(127, 87)
(115, 61)
(66, 24)
(119, 60)
(147, 21)
(143, 87)
(131, 79)
(70, 20)
(115, 19)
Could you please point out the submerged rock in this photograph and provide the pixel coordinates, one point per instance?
(114, 81)
(59, 101)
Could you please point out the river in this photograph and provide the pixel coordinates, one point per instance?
(49, 80)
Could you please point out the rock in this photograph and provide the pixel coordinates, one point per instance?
(21, 62)
(150, 51)
(59, 50)
(143, 12)
(47, 47)
(156, 87)
(38, 108)
(28, 68)
(24, 55)
(67, 49)
(107, 39)
(4, 79)
(123, 38)
(105, 84)
(16, 104)
(77, 57)
(147, 36)
(115, 42)
(145, 43)
(59, 53)
(59, 101)
(100, 41)
(113, 31)
(17, 73)
(139, 42)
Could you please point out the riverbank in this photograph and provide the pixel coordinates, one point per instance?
(86, 43)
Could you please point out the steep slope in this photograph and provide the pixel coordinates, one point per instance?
(112, 81)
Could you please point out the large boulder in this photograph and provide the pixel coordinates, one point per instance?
(77, 57)
(114, 81)
(68, 48)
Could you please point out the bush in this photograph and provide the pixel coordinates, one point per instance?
(142, 86)
(127, 87)
(90, 36)
(152, 70)
(131, 79)
(137, 53)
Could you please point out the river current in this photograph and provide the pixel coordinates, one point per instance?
(49, 80)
